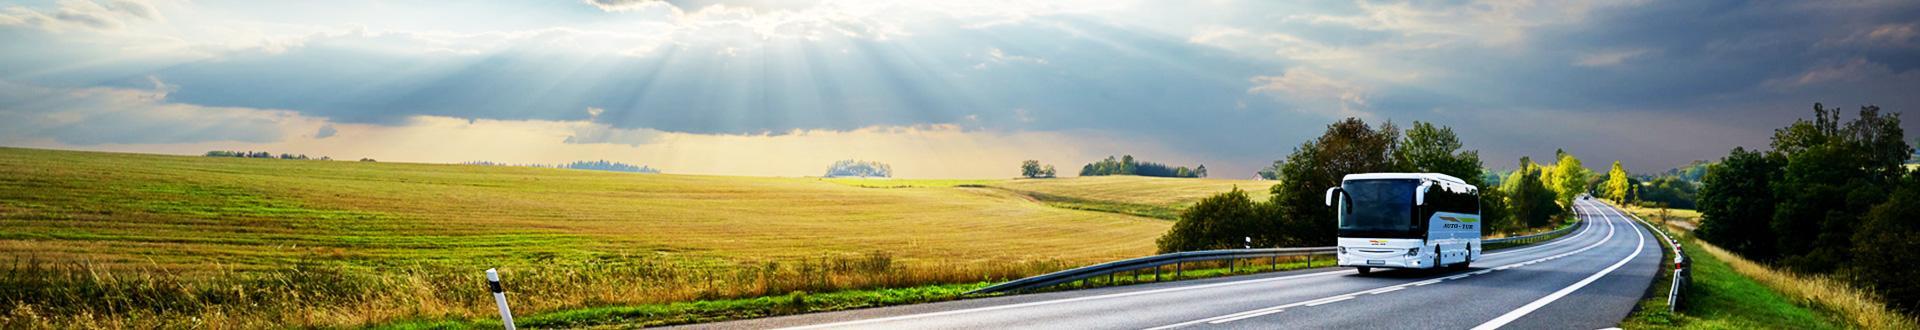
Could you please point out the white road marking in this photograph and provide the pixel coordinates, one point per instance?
(1276, 309)
(1061, 301)
(1496, 323)
(1397, 288)
(1335, 300)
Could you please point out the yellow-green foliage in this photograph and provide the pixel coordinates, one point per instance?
(318, 243)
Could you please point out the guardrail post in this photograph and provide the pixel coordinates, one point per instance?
(1177, 268)
(1156, 274)
(500, 297)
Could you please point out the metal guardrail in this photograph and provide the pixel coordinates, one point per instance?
(1153, 261)
(1682, 274)
(1180, 258)
(1535, 237)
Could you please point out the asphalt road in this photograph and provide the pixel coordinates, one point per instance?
(1590, 279)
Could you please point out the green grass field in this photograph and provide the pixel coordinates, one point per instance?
(225, 238)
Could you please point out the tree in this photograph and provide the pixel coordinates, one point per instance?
(1670, 190)
(1494, 213)
(1885, 250)
(1127, 165)
(1217, 222)
(1200, 172)
(1047, 172)
(1349, 146)
(1436, 149)
(1531, 202)
(1569, 178)
(855, 168)
(1271, 172)
(1617, 183)
(1030, 168)
(1834, 173)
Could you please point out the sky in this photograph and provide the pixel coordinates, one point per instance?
(937, 89)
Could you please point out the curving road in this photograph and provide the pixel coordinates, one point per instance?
(1590, 279)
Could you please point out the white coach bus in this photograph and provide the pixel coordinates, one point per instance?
(1406, 220)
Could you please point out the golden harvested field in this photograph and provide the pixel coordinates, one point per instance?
(586, 238)
(1178, 192)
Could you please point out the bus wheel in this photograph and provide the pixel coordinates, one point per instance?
(1365, 270)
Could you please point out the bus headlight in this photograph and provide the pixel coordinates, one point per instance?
(1413, 252)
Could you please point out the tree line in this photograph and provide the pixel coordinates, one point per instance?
(1829, 197)
(598, 165)
(1296, 215)
(260, 154)
(860, 169)
(1126, 165)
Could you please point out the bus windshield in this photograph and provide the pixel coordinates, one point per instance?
(1378, 209)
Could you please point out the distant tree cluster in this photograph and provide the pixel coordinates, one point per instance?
(1667, 191)
(860, 169)
(259, 154)
(599, 165)
(1831, 197)
(1126, 165)
(1271, 172)
(1692, 172)
(1032, 169)
(603, 165)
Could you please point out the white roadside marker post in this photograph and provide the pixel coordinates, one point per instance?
(499, 296)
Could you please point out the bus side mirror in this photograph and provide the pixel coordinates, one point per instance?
(1331, 192)
(1420, 195)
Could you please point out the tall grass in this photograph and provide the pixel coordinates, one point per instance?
(1859, 307)
(47, 295)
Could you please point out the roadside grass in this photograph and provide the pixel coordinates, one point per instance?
(1722, 298)
(1721, 295)
(1854, 307)
(1686, 219)
(653, 315)
(283, 243)
(1730, 291)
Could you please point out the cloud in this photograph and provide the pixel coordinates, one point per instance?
(1609, 58)
(1852, 70)
(602, 133)
(92, 116)
(325, 132)
(89, 14)
(1879, 36)
(1317, 91)
(623, 5)
(997, 56)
